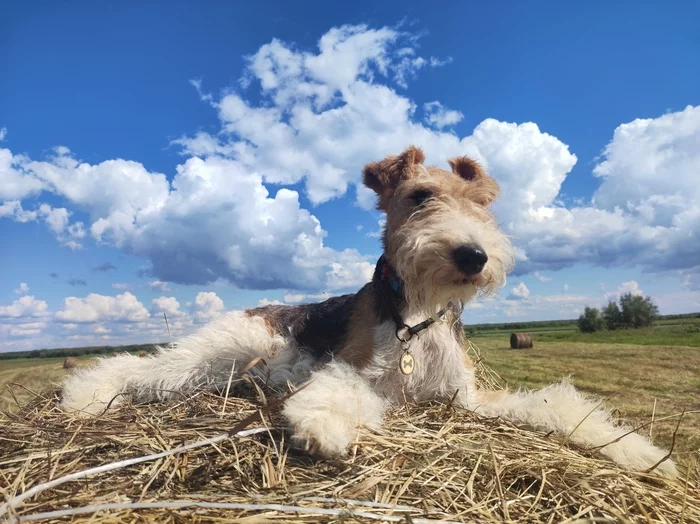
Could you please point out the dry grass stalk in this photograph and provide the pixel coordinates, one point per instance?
(427, 464)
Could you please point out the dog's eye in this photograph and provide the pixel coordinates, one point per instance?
(421, 195)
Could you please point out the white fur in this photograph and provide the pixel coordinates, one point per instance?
(562, 409)
(203, 359)
(440, 369)
(326, 415)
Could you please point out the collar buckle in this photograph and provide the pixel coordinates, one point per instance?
(403, 333)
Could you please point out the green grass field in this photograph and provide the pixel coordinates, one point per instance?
(676, 321)
(664, 335)
(687, 321)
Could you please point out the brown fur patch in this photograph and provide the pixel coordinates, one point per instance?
(466, 167)
(320, 329)
(270, 324)
(484, 188)
(358, 349)
(384, 176)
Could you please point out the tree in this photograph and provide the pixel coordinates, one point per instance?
(612, 316)
(634, 311)
(638, 311)
(591, 320)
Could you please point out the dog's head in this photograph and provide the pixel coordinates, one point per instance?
(440, 236)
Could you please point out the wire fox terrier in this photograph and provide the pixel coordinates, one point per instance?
(400, 337)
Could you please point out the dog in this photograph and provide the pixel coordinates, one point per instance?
(399, 338)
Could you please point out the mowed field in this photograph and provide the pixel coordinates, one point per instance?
(629, 376)
(20, 379)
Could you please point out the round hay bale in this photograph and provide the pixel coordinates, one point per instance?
(143, 353)
(520, 341)
(70, 363)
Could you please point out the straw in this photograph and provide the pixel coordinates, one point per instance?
(178, 462)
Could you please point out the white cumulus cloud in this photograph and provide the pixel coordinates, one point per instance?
(25, 329)
(267, 302)
(438, 116)
(97, 308)
(15, 181)
(296, 298)
(626, 287)
(519, 292)
(645, 212)
(26, 306)
(207, 306)
(13, 210)
(168, 305)
(22, 289)
(159, 285)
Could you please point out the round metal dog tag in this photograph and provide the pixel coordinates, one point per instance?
(407, 364)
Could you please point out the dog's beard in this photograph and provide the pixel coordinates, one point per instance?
(431, 283)
(423, 259)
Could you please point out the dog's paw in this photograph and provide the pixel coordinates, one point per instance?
(326, 415)
(318, 430)
(321, 448)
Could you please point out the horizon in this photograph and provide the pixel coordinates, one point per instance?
(467, 327)
(196, 159)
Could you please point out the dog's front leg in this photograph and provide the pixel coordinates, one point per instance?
(457, 382)
(325, 416)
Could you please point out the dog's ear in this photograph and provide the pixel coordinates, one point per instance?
(484, 188)
(384, 176)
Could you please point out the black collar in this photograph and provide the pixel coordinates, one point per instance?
(391, 281)
(388, 274)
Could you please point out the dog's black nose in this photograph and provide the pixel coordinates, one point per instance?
(470, 259)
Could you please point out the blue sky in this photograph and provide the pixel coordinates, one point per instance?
(197, 158)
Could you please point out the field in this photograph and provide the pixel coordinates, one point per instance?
(629, 377)
(685, 323)
(663, 336)
(22, 377)
(19, 378)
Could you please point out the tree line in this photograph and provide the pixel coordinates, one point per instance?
(634, 311)
(78, 352)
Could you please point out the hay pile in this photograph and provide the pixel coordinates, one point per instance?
(429, 463)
